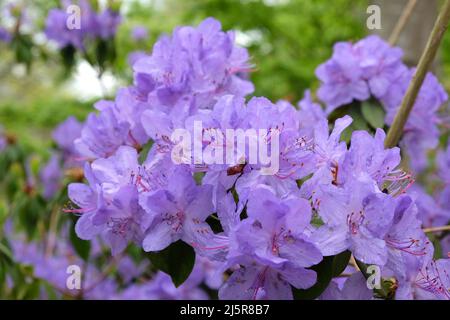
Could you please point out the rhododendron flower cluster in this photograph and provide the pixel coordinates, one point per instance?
(5, 36)
(326, 198)
(371, 68)
(62, 24)
(52, 264)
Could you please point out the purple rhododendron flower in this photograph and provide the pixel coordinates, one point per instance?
(135, 56)
(371, 67)
(3, 141)
(427, 282)
(102, 135)
(139, 33)
(266, 231)
(272, 249)
(356, 71)
(51, 264)
(65, 134)
(342, 78)
(354, 288)
(380, 63)
(368, 159)
(328, 152)
(109, 205)
(5, 36)
(443, 161)
(406, 240)
(107, 22)
(430, 212)
(161, 287)
(356, 217)
(177, 212)
(421, 133)
(51, 176)
(92, 25)
(201, 62)
(309, 114)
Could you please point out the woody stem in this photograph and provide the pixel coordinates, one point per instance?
(425, 62)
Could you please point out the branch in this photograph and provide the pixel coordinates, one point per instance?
(425, 62)
(406, 14)
(436, 229)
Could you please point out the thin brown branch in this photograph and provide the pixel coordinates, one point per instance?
(436, 229)
(402, 21)
(425, 62)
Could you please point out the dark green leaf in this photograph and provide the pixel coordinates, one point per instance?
(23, 49)
(437, 246)
(330, 267)
(68, 57)
(373, 113)
(144, 151)
(177, 261)
(316, 220)
(324, 272)
(82, 247)
(5, 252)
(358, 124)
(340, 262)
(102, 53)
(214, 223)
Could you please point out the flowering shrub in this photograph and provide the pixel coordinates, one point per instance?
(338, 205)
(92, 33)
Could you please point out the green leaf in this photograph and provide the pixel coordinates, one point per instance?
(437, 246)
(102, 53)
(143, 154)
(330, 267)
(214, 222)
(324, 272)
(359, 123)
(177, 261)
(340, 262)
(82, 247)
(5, 252)
(316, 220)
(23, 49)
(373, 113)
(30, 210)
(68, 57)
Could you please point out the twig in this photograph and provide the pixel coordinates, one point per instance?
(353, 263)
(51, 238)
(345, 275)
(436, 229)
(406, 14)
(425, 62)
(104, 274)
